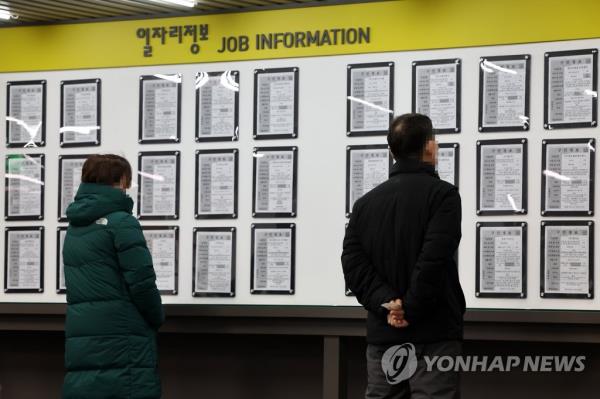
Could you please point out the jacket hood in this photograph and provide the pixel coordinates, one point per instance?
(96, 200)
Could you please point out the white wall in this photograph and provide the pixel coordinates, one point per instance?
(321, 182)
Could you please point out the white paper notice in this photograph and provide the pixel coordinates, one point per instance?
(160, 109)
(274, 182)
(272, 260)
(159, 185)
(504, 93)
(368, 169)
(80, 111)
(62, 285)
(70, 181)
(25, 186)
(276, 103)
(216, 184)
(501, 174)
(26, 111)
(214, 262)
(216, 106)
(24, 259)
(370, 99)
(163, 247)
(571, 89)
(501, 260)
(437, 95)
(566, 249)
(568, 175)
(446, 161)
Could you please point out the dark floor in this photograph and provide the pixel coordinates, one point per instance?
(248, 367)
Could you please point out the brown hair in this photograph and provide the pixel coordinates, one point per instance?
(106, 169)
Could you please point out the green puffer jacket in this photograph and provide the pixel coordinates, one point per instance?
(114, 308)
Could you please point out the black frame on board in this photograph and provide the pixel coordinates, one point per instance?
(98, 139)
(59, 290)
(456, 148)
(590, 225)
(236, 123)
(458, 63)
(42, 141)
(292, 135)
(177, 156)
(282, 226)
(349, 150)
(233, 215)
(7, 230)
(523, 293)
(62, 218)
(590, 211)
(175, 229)
(40, 216)
(233, 232)
(294, 211)
(593, 123)
(526, 123)
(347, 291)
(141, 139)
(524, 193)
(350, 67)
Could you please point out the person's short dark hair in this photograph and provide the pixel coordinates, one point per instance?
(409, 134)
(106, 169)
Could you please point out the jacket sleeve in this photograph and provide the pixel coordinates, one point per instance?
(442, 236)
(135, 262)
(362, 279)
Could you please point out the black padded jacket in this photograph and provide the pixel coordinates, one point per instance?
(401, 242)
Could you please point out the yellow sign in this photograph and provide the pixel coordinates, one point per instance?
(299, 32)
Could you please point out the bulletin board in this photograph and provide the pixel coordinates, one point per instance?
(322, 143)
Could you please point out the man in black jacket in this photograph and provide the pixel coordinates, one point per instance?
(399, 253)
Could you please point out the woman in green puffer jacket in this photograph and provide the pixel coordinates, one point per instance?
(114, 308)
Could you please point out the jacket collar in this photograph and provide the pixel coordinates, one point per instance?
(412, 165)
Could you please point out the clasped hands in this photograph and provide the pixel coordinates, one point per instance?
(395, 317)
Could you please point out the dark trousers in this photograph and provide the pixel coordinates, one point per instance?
(423, 384)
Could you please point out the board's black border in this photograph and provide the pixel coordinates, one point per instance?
(231, 293)
(554, 126)
(292, 135)
(233, 215)
(42, 141)
(98, 139)
(543, 225)
(481, 143)
(176, 271)
(458, 63)
(294, 212)
(58, 250)
(283, 226)
(141, 139)
(143, 154)
(456, 147)
(515, 128)
(235, 134)
(349, 150)
(523, 293)
(39, 216)
(61, 217)
(25, 290)
(350, 67)
(590, 211)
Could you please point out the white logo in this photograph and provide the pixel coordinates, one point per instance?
(103, 221)
(399, 363)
